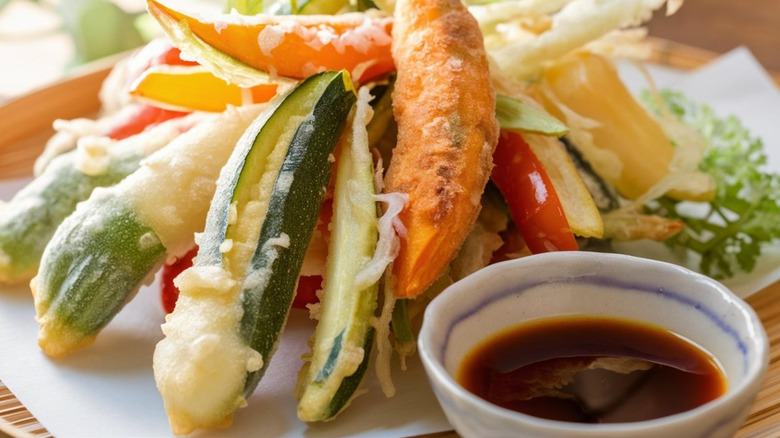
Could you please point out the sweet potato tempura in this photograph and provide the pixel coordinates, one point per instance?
(445, 108)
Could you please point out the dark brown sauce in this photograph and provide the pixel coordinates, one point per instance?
(592, 370)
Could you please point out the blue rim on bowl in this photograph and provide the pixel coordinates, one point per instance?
(691, 304)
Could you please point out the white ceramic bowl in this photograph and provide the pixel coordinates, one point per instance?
(585, 283)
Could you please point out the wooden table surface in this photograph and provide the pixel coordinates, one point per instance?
(721, 25)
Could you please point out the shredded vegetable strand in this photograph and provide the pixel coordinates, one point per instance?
(578, 23)
(502, 12)
(384, 347)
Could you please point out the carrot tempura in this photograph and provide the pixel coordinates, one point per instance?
(444, 105)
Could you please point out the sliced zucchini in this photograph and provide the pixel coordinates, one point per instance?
(582, 213)
(603, 195)
(101, 254)
(83, 283)
(29, 220)
(234, 301)
(343, 339)
(382, 127)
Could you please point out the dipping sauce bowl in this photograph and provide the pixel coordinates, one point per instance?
(559, 284)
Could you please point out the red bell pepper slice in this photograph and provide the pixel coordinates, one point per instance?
(136, 122)
(157, 52)
(533, 203)
(169, 293)
(308, 285)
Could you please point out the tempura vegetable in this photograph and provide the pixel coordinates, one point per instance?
(102, 253)
(234, 300)
(29, 220)
(444, 105)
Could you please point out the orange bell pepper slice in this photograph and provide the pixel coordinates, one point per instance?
(296, 46)
(195, 89)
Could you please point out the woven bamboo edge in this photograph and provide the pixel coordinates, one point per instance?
(25, 124)
(16, 420)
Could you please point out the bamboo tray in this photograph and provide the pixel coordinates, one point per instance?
(25, 124)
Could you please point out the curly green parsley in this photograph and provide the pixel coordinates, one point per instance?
(729, 231)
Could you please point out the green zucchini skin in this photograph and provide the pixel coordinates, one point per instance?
(382, 127)
(101, 254)
(29, 220)
(351, 383)
(401, 323)
(293, 211)
(244, 155)
(257, 230)
(605, 197)
(341, 348)
(65, 291)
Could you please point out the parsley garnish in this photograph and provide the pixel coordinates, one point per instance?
(729, 231)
